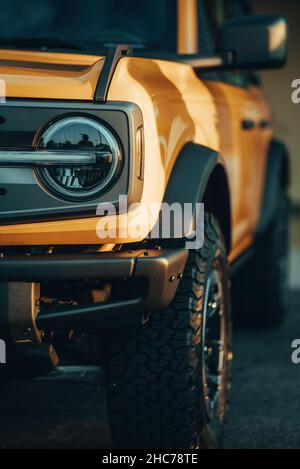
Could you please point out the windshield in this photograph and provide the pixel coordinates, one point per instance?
(146, 24)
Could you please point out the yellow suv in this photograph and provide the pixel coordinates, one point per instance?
(137, 168)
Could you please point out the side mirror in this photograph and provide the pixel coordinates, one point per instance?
(255, 42)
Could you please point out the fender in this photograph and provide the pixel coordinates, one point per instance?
(277, 177)
(199, 175)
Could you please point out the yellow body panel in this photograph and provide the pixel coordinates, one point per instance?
(177, 108)
(187, 20)
(48, 75)
(244, 152)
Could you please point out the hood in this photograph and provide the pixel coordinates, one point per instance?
(49, 75)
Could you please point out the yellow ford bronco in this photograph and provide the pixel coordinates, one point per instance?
(139, 178)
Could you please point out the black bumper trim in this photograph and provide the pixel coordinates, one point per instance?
(37, 268)
(162, 269)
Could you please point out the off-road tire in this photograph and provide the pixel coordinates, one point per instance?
(155, 385)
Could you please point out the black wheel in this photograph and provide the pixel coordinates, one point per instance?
(167, 380)
(260, 290)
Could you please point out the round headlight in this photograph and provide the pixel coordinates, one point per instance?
(85, 181)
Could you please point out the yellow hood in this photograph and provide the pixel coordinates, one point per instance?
(49, 75)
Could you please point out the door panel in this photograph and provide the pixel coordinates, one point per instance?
(239, 114)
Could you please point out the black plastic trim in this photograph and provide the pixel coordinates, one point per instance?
(277, 176)
(37, 268)
(192, 170)
(114, 54)
(199, 176)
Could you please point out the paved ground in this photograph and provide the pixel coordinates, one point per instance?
(48, 414)
(264, 412)
(265, 400)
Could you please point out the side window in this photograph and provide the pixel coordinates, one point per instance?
(212, 13)
(206, 30)
(239, 7)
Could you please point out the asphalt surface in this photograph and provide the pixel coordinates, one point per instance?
(265, 401)
(264, 410)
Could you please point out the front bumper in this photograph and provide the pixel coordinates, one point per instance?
(23, 320)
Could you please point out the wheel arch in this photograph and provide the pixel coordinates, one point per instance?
(277, 177)
(199, 175)
(217, 201)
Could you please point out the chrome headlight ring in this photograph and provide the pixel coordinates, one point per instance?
(87, 181)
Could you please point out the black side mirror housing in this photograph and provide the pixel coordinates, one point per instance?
(255, 42)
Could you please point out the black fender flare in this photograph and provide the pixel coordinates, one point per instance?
(277, 176)
(199, 176)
